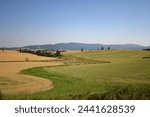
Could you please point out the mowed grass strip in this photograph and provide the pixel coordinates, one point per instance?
(127, 79)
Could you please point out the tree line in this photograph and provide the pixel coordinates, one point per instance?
(102, 48)
(47, 53)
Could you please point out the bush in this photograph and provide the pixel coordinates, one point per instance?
(27, 59)
(146, 57)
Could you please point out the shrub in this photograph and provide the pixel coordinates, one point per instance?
(27, 59)
(146, 57)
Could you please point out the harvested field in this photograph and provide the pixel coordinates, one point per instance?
(11, 82)
(12, 55)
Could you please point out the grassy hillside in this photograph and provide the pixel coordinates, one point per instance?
(125, 74)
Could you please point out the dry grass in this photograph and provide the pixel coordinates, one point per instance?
(12, 55)
(11, 82)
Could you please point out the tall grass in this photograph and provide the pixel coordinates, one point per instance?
(122, 93)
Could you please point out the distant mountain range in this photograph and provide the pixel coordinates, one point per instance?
(78, 46)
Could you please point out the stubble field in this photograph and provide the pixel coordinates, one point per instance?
(13, 83)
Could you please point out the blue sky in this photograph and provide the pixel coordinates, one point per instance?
(30, 22)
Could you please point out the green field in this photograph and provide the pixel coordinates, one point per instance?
(107, 74)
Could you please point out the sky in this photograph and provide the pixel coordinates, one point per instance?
(37, 22)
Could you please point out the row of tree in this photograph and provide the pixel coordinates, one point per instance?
(147, 49)
(46, 53)
(102, 48)
(2, 49)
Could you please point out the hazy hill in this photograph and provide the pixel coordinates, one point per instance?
(78, 46)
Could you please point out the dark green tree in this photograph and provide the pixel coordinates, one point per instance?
(57, 53)
(102, 48)
(39, 52)
(20, 50)
(81, 49)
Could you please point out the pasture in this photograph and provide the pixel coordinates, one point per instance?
(107, 74)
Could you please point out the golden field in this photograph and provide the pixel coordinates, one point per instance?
(12, 55)
(11, 82)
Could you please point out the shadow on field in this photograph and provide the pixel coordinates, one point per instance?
(72, 60)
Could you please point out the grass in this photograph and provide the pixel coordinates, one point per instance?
(127, 76)
(111, 55)
(0, 95)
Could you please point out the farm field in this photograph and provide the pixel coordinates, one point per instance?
(107, 74)
(14, 56)
(13, 83)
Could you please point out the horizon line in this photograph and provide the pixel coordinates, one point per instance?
(74, 42)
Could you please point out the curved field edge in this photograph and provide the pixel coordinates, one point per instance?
(13, 83)
(71, 86)
(126, 77)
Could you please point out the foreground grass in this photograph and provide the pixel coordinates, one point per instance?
(126, 77)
